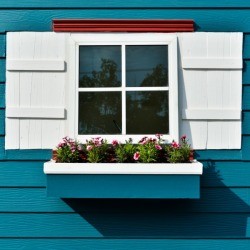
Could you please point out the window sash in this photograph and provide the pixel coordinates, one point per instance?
(131, 39)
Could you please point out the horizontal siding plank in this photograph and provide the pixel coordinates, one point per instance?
(123, 224)
(216, 174)
(218, 155)
(2, 121)
(217, 20)
(124, 244)
(22, 173)
(222, 174)
(2, 151)
(2, 45)
(126, 4)
(246, 97)
(29, 154)
(245, 123)
(222, 200)
(35, 65)
(246, 46)
(2, 70)
(211, 63)
(46, 225)
(35, 112)
(246, 148)
(211, 114)
(2, 95)
(246, 72)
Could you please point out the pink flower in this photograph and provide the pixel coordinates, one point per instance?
(61, 145)
(158, 147)
(115, 143)
(143, 140)
(183, 137)
(136, 156)
(175, 144)
(97, 141)
(89, 148)
(158, 135)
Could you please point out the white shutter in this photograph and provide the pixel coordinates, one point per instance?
(210, 86)
(210, 89)
(35, 83)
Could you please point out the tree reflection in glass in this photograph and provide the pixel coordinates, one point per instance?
(147, 112)
(146, 62)
(100, 66)
(99, 113)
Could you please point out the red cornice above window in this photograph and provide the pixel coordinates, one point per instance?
(122, 25)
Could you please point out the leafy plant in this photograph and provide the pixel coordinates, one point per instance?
(124, 152)
(178, 153)
(68, 150)
(97, 150)
(148, 149)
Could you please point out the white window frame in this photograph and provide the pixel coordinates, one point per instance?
(78, 39)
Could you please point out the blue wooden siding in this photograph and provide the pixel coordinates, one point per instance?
(219, 220)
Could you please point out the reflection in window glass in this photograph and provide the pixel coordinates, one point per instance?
(100, 66)
(99, 113)
(146, 65)
(147, 112)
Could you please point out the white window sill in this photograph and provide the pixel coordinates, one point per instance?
(194, 168)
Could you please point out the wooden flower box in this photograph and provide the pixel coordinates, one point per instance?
(124, 180)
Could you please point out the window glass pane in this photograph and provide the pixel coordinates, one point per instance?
(99, 113)
(147, 112)
(146, 65)
(100, 66)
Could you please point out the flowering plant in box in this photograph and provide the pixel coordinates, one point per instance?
(97, 150)
(179, 152)
(148, 150)
(68, 150)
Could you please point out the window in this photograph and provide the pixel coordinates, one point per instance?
(125, 85)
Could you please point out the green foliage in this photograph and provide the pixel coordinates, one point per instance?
(148, 150)
(68, 151)
(178, 153)
(97, 150)
(124, 152)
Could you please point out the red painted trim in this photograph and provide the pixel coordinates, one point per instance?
(121, 25)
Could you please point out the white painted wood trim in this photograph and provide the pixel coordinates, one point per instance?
(211, 63)
(118, 38)
(14, 112)
(35, 65)
(211, 114)
(194, 168)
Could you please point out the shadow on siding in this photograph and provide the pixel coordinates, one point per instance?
(219, 213)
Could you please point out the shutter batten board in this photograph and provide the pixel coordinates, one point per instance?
(210, 70)
(35, 65)
(21, 112)
(212, 63)
(211, 114)
(35, 105)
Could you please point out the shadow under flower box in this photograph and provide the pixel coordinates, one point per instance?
(124, 180)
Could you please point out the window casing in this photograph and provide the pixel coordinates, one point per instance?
(166, 94)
